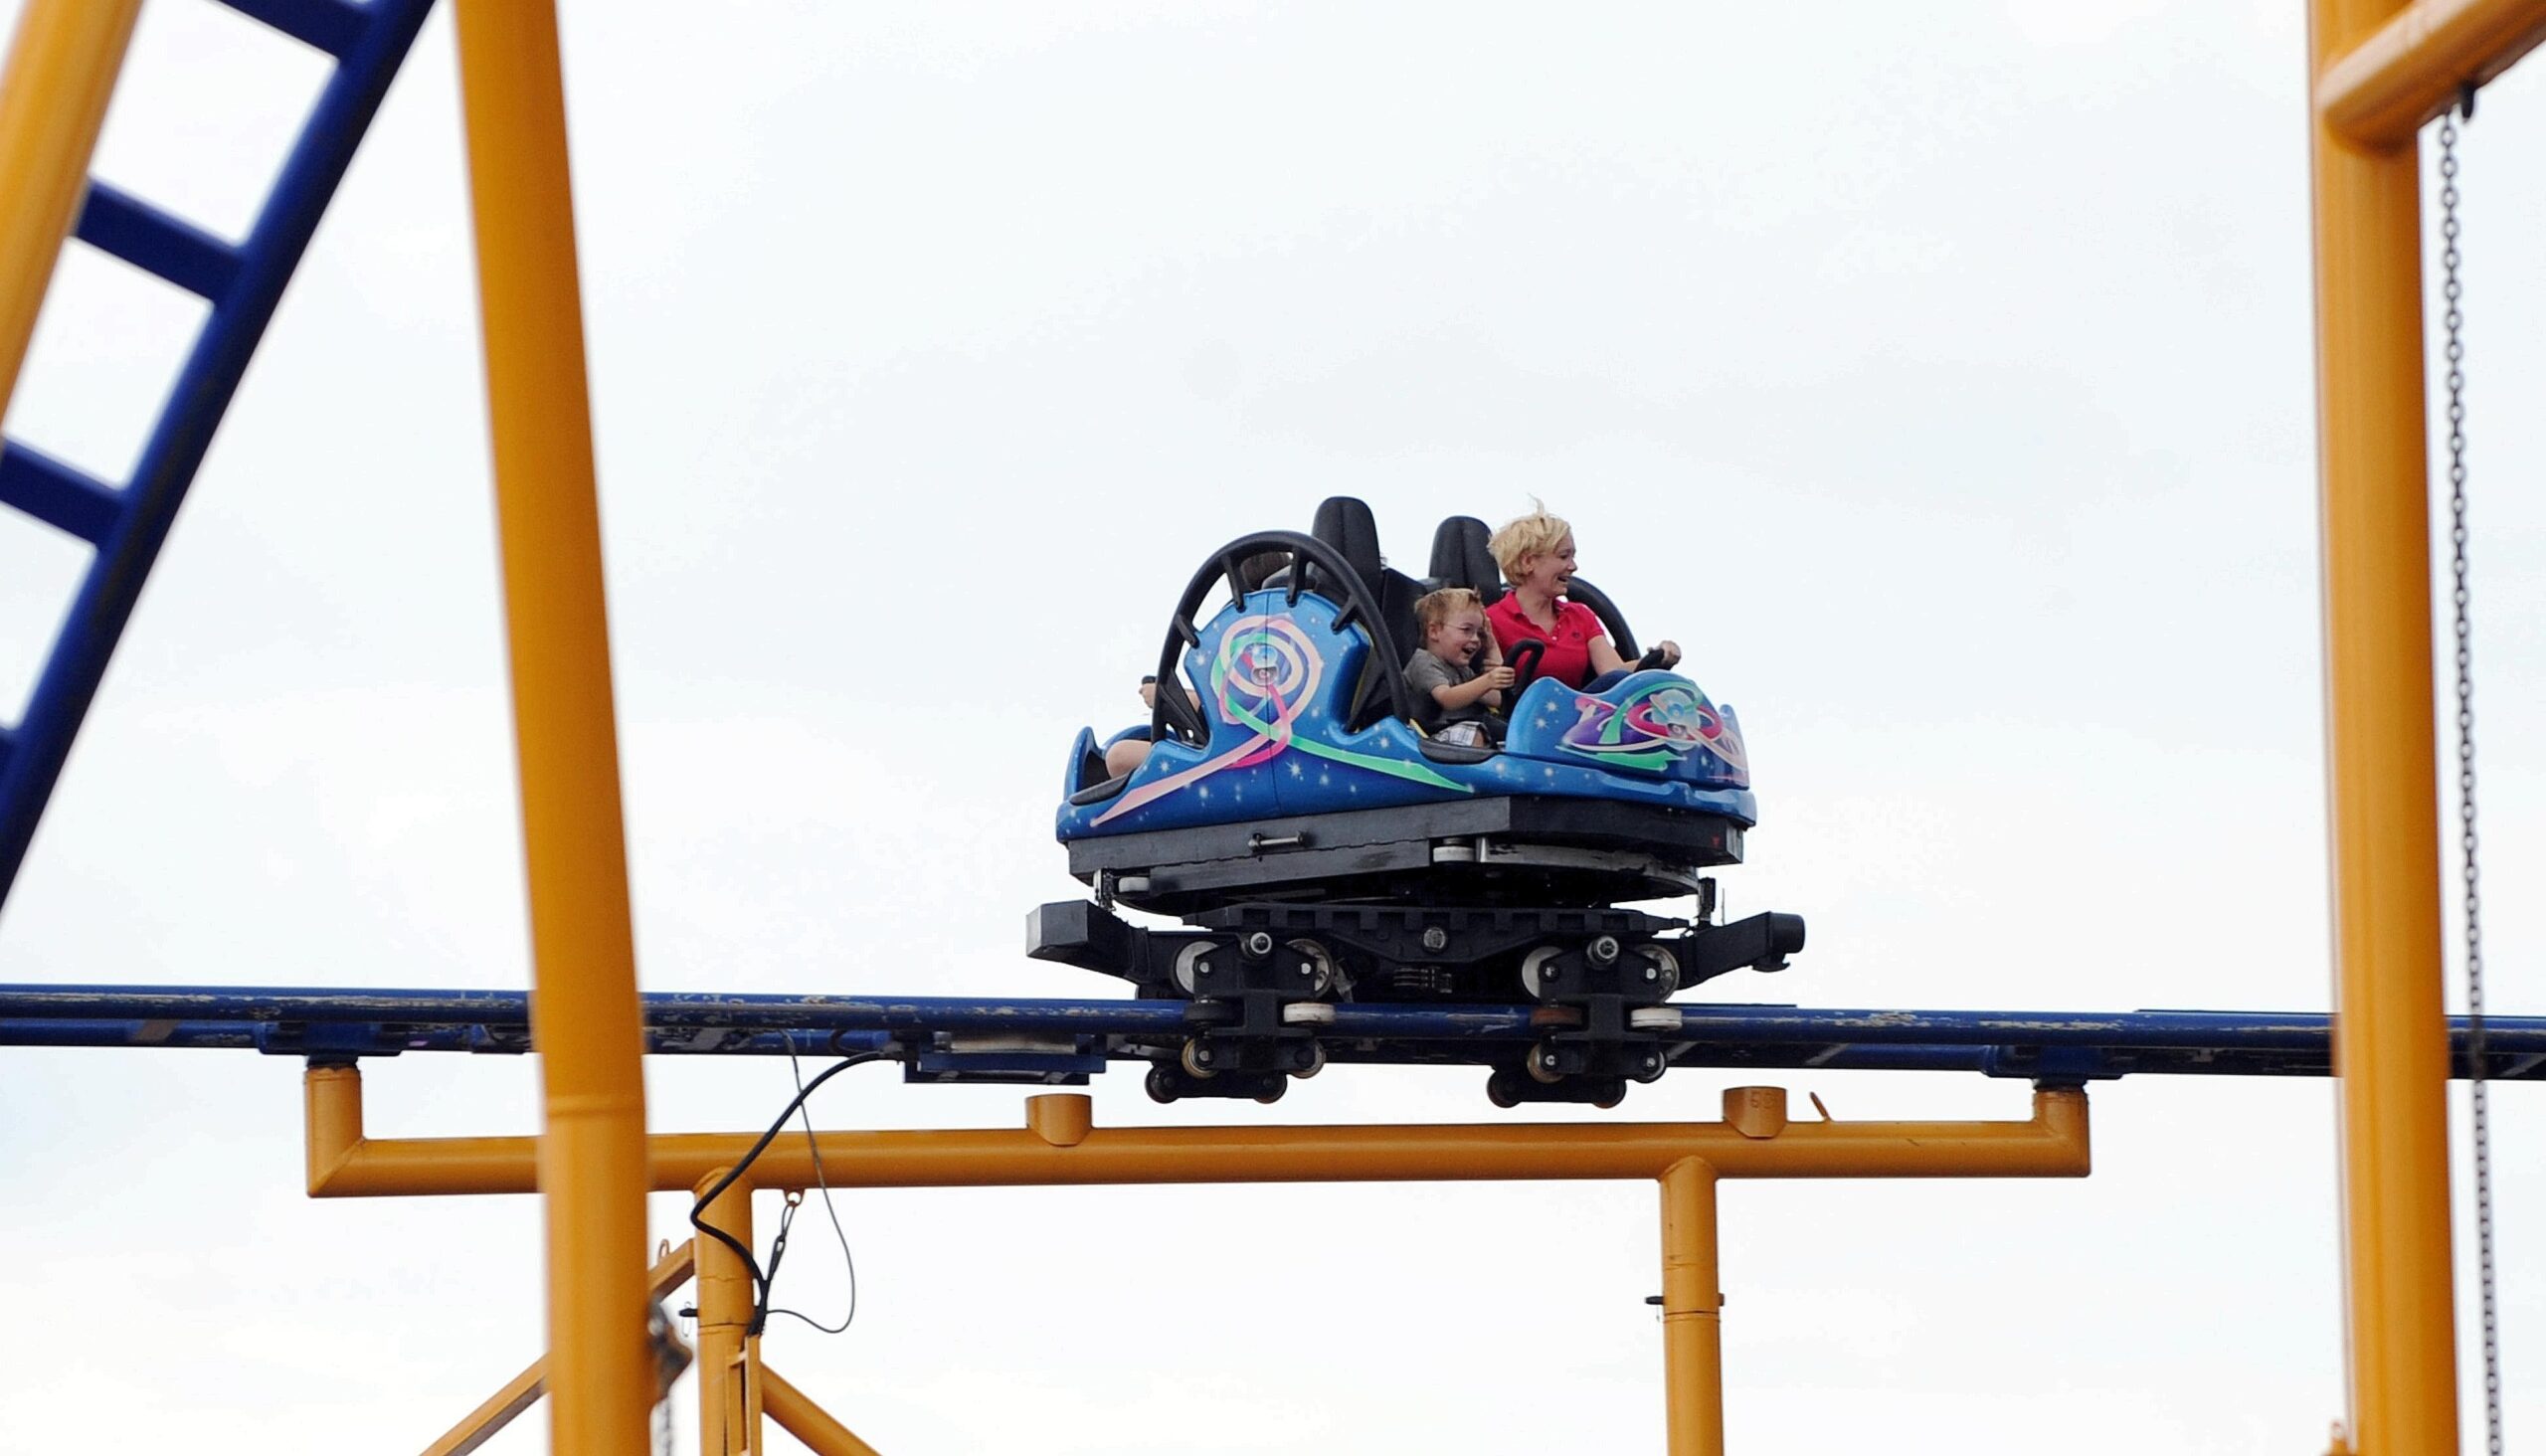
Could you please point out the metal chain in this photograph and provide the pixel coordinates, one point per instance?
(2452, 290)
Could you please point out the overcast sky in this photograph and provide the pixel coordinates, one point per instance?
(1939, 376)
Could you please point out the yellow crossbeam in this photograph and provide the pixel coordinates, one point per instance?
(2380, 92)
(2051, 1143)
(1059, 1144)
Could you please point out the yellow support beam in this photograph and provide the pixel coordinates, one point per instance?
(343, 1163)
(729, 1395)
(61, 70)
(806, 1422)
(2377, 93)
(1692, 1313)
(583, 1006)
(1059, 1144)
(523, 1391)
(2391, 1043)
(495, 1412)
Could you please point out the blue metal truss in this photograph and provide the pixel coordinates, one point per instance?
(126, 525)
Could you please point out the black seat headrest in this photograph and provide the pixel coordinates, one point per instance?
(1346, 525)
(1460, 558)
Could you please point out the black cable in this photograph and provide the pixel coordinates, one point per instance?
(760, 1279)
(822, 1178)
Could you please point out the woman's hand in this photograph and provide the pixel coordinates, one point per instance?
(1670, 651)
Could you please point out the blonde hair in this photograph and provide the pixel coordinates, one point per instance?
(1435, 608)
(1535, 535)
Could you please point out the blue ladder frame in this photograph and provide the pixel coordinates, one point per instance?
(243, 284)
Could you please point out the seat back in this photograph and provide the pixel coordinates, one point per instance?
(1347, 524)
(1461, 558)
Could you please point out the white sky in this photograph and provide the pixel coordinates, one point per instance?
(1938, 375)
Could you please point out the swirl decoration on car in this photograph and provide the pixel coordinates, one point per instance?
(1653, 728)
(1265, 676)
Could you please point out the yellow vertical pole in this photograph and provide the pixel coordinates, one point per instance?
(1692, 1312)
(584, 1011)
(729, 1400)
(63, 64)
(2391, 1045)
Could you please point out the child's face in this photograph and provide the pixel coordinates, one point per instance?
(1457, 639)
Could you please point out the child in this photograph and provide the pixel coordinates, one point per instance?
(1453, 688)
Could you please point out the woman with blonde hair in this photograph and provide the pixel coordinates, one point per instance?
(1536, 555)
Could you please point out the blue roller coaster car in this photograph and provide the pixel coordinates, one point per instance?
(1318, 847)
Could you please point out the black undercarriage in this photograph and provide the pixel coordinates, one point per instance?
(1489, 901)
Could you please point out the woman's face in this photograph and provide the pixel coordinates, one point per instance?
(1552, 572)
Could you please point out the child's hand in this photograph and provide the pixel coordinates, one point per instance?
(1498, 677)
(1148, 693)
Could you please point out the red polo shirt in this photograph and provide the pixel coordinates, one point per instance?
(1568, 653)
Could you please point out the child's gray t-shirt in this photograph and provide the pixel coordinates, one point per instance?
(1426, 670)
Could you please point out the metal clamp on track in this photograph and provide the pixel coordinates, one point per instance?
(1248, 1040)
(1614, 984)
(1602, 981)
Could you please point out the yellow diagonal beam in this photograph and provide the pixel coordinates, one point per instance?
(806, 1422)
(479, 1426)
(522, 1392)
(62, 71)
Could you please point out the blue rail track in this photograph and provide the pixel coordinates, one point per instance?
(947, 1037)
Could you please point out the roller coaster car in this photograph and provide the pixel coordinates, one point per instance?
(1320, 848)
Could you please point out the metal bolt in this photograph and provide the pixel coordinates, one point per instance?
(1653, 972)
(1308, 968)
(1603, 949)
(1202, 1056)
(1259, 944)
(1547, 1059)
(1651, 1062)
(1434, 938)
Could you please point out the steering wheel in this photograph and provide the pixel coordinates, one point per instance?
(1524, 662)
